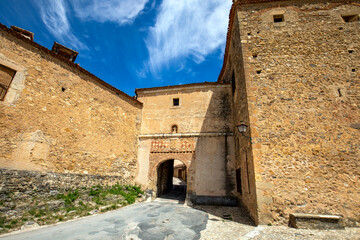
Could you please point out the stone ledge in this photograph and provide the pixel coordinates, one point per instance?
(315, 221)
(179, 135)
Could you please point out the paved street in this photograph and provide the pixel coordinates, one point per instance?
(152, 221)
(170, 221)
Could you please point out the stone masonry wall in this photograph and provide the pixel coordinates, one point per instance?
(303, 94)
(20, 181)
(204, 121)
(235, 73)
(203, 108)
(56, 118)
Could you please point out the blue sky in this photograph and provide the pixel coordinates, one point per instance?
(131, 43)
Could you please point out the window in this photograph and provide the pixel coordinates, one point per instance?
(176, 102)
(233, 84)
(174, 129)
(350, 18)
(6, 76)
(278, 18)
(238, 181)
(247, 173)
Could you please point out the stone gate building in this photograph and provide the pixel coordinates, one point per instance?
(192, 123)
(290, 78)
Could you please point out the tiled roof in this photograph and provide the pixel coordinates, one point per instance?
(69, 63)
(178, 86)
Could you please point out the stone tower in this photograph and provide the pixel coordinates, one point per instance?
(295, 70)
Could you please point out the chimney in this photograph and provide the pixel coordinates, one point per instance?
(65, 52)
(23, 32)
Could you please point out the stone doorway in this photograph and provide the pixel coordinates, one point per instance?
(171, 180)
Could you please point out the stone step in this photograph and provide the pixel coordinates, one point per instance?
(315, 221)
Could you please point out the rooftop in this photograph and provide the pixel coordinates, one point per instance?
(71, 64)
(190, 85)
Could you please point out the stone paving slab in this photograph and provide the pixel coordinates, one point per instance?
(147, 221)
(241, 228)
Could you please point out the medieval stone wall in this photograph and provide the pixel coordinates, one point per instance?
(56, 118)
(20, 182)
(204, 108)
(302, 80)
(203, 141)
(235, 73)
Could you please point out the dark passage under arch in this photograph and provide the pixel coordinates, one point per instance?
(171, 180)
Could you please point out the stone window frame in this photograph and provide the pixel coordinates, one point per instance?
(172, 102)
(176, 102)
(278, 16)
(17, 84)
(289, 15)
(5, 88)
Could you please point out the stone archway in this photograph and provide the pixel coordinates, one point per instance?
(162, 167)
(171, 179)
(164, 149)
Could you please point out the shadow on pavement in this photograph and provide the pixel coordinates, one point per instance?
(223, 213)
(235, 214)
(177, 194)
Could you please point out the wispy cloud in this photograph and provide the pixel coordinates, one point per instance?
(54, 15)
(119, 11)
(186, 29)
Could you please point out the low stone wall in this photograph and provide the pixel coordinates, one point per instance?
(29, 199)
(18, 181)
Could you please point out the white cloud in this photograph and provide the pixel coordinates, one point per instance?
(187, 28)
(53, 14)
(119, 11)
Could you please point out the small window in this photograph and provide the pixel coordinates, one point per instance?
(350, 18)
(176, 102)
(238, 181)
(233, 84)
(6, 76)
(278, 18)
(174, 129)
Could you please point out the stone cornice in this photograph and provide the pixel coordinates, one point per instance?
(183, 135)
(181, 87)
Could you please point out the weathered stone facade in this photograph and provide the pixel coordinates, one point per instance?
(57, 117)
(296, 69)
(290, 73)
(203, 139)
(20, 182)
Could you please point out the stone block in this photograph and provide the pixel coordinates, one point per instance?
(315, 221)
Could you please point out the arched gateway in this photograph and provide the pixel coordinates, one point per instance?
(171, 179)
(162, 166)
(191, 124)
